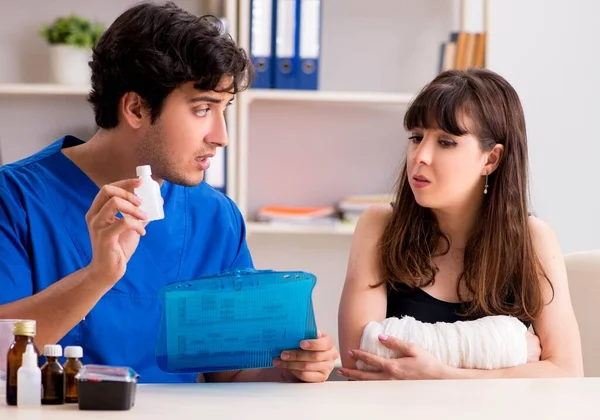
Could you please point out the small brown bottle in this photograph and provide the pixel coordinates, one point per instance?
(24, 331)
(72, 366)
(53, 376)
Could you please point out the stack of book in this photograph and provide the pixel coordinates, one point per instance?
(346, 211)
(315, 216)
(352, 207)
(462, 51)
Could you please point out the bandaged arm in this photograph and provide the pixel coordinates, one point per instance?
(492, 342)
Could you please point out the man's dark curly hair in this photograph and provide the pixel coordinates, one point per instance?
(152, 49)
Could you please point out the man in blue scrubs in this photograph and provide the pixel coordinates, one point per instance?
(76, 253)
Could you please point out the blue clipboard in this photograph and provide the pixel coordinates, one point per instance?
(236, 320)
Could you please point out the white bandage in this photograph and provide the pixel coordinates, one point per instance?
(492, 342)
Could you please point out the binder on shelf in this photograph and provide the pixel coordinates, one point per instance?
(463, 51)
(309, 45)
(262, 21)
(216, 174)
(286, 43)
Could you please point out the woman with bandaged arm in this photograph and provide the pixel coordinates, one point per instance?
(455, 278)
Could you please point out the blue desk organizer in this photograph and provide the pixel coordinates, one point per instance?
(236, 320)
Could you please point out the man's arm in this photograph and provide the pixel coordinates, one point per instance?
(58, 308)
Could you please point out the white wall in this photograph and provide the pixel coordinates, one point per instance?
(549, 51)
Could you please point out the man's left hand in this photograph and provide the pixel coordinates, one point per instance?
(313, 362)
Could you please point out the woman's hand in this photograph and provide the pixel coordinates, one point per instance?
(534, 348)
(414, 363)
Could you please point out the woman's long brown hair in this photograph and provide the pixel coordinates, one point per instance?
(501, 269)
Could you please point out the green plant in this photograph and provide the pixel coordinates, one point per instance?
(72, 30)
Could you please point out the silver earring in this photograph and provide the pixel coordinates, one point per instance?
(486, 183)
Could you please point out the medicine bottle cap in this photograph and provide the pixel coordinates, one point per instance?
(144, 170)
(73, 352)
(24, 328)
(53, 350)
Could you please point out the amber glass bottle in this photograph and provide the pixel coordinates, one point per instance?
(53, 376)
(72, 366)
(24, 331)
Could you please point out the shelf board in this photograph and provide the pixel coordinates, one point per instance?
(328, 96)
(267, 228)
(43, 89)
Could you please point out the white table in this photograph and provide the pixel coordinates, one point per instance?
(537, 399)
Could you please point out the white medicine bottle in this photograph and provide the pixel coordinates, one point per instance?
(29, 380)
(149, 193)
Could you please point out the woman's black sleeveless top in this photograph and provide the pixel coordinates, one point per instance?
(405, 301)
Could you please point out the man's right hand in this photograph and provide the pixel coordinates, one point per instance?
(115, 239)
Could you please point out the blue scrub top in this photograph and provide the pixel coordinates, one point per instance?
(44, 238)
